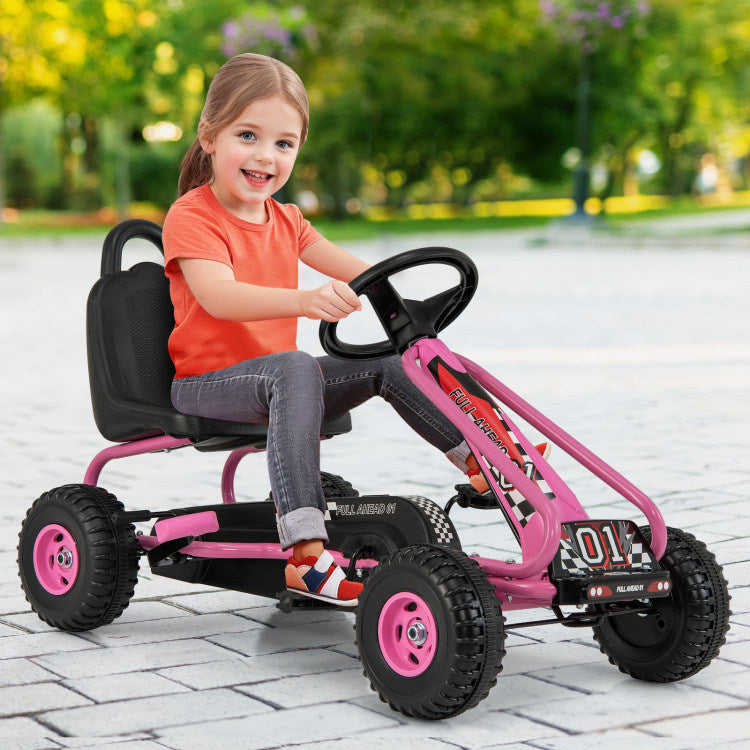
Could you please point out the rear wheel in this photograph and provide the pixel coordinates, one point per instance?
(684, 631)
(336, 486)
(429, 631)
(333, 486)
(78, 564)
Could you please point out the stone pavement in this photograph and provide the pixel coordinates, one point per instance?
(638, 344)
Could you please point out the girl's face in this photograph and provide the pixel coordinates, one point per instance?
(253, 156)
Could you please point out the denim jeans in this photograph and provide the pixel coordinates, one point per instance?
(292, 392)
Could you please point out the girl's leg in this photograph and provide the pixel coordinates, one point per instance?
(349, 383)
(284, 391)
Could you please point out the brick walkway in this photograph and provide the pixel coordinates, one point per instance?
(638, 344)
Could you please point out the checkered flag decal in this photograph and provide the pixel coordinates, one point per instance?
(637, 555)
(436, 518)
(570, 560)
(522, 510)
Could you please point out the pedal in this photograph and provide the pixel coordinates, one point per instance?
(468, 497)
(289, 601)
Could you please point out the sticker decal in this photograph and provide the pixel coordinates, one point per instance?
(358, 509)
(588, 547)
(478, 406)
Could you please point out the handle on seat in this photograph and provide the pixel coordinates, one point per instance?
(115, 241)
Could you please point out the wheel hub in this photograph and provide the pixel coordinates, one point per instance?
(65, 558)
(407, 634)
(55, 558)
(417, 633)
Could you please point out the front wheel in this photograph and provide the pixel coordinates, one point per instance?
(429, 631)
(78, 564)
(684, 631)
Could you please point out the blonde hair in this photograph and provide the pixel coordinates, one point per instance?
(242, 80)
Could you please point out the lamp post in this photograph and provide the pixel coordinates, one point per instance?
(585, 24)
(583, 137)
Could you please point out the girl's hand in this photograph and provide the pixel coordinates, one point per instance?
(332, 302)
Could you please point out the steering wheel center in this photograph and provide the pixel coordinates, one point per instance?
(405, 320)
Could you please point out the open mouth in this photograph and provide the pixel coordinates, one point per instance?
(257, 179)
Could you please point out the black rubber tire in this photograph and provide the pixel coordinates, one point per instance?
(688, 627)
(336, 486)
(333, 486)
(107, 557)
(469, 624)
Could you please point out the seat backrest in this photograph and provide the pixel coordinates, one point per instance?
(129, 318)
(137, 317)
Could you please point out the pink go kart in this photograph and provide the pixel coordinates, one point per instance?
(430, 623)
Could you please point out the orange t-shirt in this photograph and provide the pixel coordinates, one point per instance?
(198, 226)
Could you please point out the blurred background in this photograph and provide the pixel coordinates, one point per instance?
(446, 108)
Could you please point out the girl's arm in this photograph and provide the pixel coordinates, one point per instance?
(223, 297)
(331, 260)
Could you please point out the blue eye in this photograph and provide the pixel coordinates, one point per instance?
(284, 145)
(247, 136)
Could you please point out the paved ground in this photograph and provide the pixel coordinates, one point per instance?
(638, 344)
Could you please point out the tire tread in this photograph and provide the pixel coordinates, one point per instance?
(465, 587)
(111, 549)
(708, 613)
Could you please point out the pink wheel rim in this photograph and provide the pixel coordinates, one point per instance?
(55, 559)
(407, 634)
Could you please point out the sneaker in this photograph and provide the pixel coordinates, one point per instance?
(544, 449)
(320, 578)
(476, 478)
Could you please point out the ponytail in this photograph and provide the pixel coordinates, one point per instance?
(196, 169)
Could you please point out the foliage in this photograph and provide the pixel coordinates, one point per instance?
(276, 32)
(410, 102)
(431, 97)
(589, 24)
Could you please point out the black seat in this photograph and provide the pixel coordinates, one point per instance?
(129, 318)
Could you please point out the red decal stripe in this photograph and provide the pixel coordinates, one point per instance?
(478, 409)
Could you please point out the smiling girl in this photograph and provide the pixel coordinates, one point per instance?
(232, 254)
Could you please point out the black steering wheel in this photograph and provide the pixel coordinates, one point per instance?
(405, 320)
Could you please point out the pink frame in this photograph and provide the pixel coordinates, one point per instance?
(519, 585)
(525, 584)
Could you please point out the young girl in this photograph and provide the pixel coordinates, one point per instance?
(232, 255)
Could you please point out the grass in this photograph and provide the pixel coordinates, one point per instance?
(362, 229)
(46, 224)
(49, 223)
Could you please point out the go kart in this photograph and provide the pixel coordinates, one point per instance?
(430, 622)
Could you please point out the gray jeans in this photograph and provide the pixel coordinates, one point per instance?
(293, 392)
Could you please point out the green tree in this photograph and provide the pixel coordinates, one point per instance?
(117, 41)
(436, 100)
(697, 75)
(410, 89)
(33, 52)
(676, 83)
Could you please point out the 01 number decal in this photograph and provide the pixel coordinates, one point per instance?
(594, 546)
(599, 545)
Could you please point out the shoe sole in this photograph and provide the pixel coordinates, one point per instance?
(322, 598)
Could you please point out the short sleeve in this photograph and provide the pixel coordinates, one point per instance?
(307, 234)
(190, 231)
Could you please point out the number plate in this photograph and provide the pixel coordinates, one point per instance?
(595, 547)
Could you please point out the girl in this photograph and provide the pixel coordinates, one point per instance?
(232, 254)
